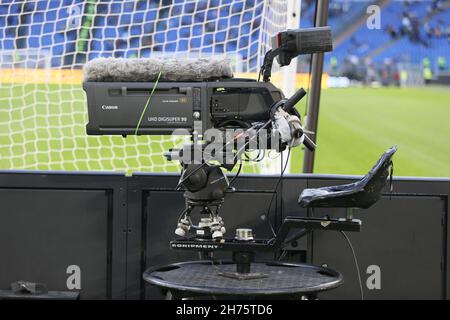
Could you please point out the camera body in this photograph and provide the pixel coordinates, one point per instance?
(126, 97)
(115, 108)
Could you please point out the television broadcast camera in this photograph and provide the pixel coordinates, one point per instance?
(188, 90)
(226, 117)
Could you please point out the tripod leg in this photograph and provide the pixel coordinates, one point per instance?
(184, 223)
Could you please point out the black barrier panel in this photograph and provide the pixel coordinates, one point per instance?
(65, 230)
(113, 227)
(56, 237)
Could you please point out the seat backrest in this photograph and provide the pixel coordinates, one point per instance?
(374, 181)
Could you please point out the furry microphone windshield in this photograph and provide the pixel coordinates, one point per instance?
(147, 70)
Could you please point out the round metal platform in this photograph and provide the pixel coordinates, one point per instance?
(204, 277)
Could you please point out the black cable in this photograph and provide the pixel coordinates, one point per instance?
(281, 185)
(282, 255)
(356, 264)
(237, 173)
(259, 157)
(275, 191)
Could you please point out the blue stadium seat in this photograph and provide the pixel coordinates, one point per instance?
(4, 9)
(247, 16)
(33, 42)
(131, 54)
(219, 48)
(177, 10)
(243, 41)
(58, 50)
(186, 20)
(100, 21)
(235, 20)
(138, 18)
(159, 37)
(135, 42)
(195, 42)
(47, 40)
(212, 14)
(110, 32)
(220, 36)
(170, 47)
(96, 45)
(250, 3)
(208, 49)
(50, 15)
(174, 22)
(237, 7)
(245, 28)
(125, 19)
(232, 46)
(199, 16)
(214, 3)
(233, 33)
(208, 39)
(115, 7)
(183, 45)
(8, 44)
(135, 30)
(197, 30)
(184, 32)
(161, 25)
(145, 53)
(119, 54)
(189, 8)
(112, 20)
(93, 55)
(151, 15)
(224, 11)
(222, 24)
(148, 27)
(243, 53)
(201, 5)
(172, 35)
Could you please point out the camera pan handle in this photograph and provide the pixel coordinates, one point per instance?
(309, 143)
(292, 101)
(289, 104)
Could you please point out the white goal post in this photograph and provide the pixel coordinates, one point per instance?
(44, 45)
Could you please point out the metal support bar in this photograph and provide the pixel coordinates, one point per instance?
(289, 223)
(316, 82)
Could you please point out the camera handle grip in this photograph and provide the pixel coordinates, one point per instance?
(292, 101)
(309, 143)
(289, 104)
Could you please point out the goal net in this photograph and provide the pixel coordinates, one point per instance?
(44, 45)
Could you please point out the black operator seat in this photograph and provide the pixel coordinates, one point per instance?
(360, 194)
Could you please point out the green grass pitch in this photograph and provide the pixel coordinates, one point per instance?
(42, 128)
(356, 125)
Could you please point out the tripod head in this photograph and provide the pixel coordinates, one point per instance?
(203, 178)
